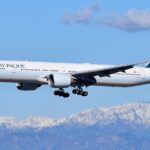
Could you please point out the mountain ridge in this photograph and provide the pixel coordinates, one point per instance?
(120, 127)
(138, 113)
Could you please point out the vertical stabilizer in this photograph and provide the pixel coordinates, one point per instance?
(148, 65)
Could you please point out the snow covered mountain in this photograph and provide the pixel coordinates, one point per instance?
(138, 113)
(113, 128)
(135, 112)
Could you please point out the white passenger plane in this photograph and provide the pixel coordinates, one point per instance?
(31, 75)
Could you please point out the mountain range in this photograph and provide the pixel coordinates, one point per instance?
(123, 127)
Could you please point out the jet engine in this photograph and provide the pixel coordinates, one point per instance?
(60, 80)
(27, 86)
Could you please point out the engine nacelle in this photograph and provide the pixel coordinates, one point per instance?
(27, 86)
(60, 80)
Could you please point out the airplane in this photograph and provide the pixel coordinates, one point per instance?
(31, 75)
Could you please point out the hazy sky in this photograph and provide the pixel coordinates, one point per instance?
(87, 31)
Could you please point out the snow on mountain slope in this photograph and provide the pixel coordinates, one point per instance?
(35, 122)
(135, 112)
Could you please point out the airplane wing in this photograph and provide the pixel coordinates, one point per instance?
(104, 71)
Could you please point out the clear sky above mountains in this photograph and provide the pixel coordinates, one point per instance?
(103, 32)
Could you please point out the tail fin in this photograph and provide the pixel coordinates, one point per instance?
(148, 65)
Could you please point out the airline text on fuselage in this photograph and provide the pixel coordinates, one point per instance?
(21, 66)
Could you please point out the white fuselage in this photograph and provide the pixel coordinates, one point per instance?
(34, 72)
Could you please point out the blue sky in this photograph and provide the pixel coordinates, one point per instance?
(103, 32)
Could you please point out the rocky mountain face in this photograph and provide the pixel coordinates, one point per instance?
(124, 127)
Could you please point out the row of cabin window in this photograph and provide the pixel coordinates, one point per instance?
(129, 74)
(38, 70)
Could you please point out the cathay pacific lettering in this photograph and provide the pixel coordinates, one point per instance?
(31, 75)
(12, 66)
